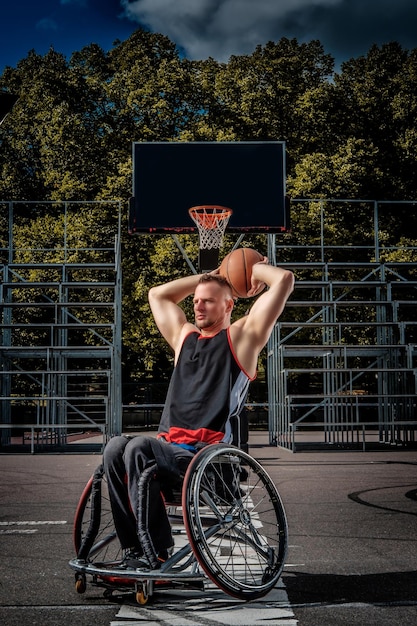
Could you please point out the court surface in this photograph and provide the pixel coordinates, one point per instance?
(352, 535)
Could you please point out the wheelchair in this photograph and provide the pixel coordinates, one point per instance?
(227, 519)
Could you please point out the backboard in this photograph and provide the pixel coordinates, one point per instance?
(171, 177)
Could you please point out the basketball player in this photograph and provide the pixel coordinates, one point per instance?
(215, 360)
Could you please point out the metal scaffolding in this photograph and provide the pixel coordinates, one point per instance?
(60, 344)
(342, 360)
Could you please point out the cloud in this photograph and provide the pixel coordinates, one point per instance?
(220, 28)
(217, 28)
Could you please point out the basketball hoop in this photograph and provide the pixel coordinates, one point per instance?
(211, 221)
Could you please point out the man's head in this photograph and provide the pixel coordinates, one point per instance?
(213, 303)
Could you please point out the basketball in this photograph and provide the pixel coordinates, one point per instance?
(236, 267)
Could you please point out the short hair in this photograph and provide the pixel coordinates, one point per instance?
(216, 278)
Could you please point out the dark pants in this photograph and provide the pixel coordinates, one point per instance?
(124, 460)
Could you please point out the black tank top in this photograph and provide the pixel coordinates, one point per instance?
(206, 394)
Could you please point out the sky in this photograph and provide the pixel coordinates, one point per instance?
(205, 28)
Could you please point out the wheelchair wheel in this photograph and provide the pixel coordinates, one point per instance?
(94, 535)
(235, 521)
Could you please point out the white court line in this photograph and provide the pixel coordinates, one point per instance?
(18, 531)
(33, 523)
(15, 527)
(211, 606)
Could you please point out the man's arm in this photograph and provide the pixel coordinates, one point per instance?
(164, 300)
(250, 333)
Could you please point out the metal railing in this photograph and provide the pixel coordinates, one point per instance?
(345, 350)
(60, 312)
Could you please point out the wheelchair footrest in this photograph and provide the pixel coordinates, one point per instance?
(113, 571)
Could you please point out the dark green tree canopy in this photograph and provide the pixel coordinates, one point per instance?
(350, 134)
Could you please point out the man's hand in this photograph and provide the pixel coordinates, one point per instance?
(257, 285)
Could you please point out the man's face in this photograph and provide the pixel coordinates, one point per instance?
(212, 304)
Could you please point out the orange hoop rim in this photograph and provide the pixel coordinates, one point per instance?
(209, 215)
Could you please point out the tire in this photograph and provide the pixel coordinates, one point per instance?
(94, 535)
(235, 521)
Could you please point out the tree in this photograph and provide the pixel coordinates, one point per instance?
(69, 137)
(255, 97)
(377, 98)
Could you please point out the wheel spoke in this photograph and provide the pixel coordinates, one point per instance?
(237, 527)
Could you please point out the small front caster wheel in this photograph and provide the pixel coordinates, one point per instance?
(80, 584)
(141, 597)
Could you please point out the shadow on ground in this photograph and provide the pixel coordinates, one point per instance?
(388, 588)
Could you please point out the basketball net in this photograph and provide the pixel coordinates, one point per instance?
(211, 221)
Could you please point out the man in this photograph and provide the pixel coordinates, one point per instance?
(215, 360)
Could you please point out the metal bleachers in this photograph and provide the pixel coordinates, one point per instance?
(60, 344)
(343, 358)
(341, 361)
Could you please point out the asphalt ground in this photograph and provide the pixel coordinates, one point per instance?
(352, 543)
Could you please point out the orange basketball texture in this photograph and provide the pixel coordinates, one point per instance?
(236, 267)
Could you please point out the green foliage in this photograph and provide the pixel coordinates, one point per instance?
(350, 134)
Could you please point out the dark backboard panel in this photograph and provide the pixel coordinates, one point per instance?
(169, 178)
